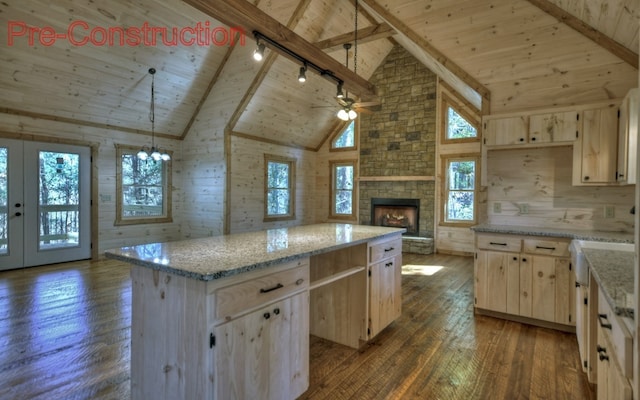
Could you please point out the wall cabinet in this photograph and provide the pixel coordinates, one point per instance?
(595, 152)
(534, 129)
(628, 139)
(524, 277)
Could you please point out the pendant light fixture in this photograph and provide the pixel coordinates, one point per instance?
(155, 155)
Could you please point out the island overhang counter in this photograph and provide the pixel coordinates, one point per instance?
(230, 316)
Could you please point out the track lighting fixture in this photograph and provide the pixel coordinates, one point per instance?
(340, 93)
(258, 53)
(302, 76)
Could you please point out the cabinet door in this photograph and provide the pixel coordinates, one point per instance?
(553, 127)
(505, 131)
(599, 145)
(628, 138)
(565, 292)
(543, 288)
(264, 354)
(497, 281)
(384, 293)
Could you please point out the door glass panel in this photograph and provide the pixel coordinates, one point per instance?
(4, 206)
(59, 210)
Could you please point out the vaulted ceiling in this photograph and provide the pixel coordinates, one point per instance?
(502, 55)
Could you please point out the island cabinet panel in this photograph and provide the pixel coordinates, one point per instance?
(384, 293)
(339, 296)
(264, 354)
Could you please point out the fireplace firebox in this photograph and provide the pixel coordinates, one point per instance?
(396, 213)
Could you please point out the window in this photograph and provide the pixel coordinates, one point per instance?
(458, 125)
(460, 190)
(142, 187)
(343, 189)
(346, 140)
(279, 188)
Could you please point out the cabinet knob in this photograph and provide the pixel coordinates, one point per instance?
(604, 357)
(276, 311)
(266, 315)
(515, 258)
(522, 139)
(18, 214)
(524, 260)
(533, 139)
(586, 178)
(601, 349)
(18, 205)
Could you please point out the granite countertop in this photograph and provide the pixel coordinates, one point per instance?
(220, 256)
(599, 236)
(613, 270)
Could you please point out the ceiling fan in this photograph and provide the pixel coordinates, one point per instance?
(350, 107)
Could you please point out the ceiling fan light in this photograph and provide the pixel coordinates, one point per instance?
(352, 114)
(302, 76)
(165, 156)
(343, 114)
(155, 155)
(258, 53)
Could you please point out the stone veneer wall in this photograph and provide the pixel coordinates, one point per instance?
(400, 139)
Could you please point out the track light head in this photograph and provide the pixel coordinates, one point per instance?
(258, 53)
(302, 76)
(340, 93)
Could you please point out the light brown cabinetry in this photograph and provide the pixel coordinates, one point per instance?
(385, 274)
(524, 277)
(595, 152)
(531, 129)
(615, 354)
(505, 131)
(628, 138)
(553, 127)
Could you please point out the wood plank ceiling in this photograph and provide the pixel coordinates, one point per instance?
(519, 53)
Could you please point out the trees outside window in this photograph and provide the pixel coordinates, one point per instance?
(460, 190)
(343, 189)
(143, 194)
(279, 188)
(346, 140)
(458, 127)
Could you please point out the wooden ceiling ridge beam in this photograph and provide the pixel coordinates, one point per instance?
(244, 15)
(368, 34)
(587, 30)
(442, 62)
(265, 66)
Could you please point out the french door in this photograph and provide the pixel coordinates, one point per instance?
(45, 202)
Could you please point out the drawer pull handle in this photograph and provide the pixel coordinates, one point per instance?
(389, 264)
(603, 324)
(545, 248)
(389, 249)
(276, 287)
(604, 357)
(601, 349)
(497, 244)
(299, 281)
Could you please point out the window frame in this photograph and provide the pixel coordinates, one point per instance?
(292, 187)
(333, 164)
(167, 214)
(471, 118)
(341, 129)
(445, 162)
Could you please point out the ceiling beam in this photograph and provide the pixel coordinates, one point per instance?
(587, 30)
(244, 15)
(368, 34)
(433, 58)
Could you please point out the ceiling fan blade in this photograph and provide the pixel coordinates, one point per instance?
(366, 103)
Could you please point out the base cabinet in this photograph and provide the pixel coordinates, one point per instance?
(264, 354)
(528, 278)
(385, 275)
(612, 385)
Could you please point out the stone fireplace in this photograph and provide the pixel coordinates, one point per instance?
(396, 213)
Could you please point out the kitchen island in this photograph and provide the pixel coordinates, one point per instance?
(230, 316)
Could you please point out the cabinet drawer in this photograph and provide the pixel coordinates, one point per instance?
(497, 242)
(554, 248)
(232, 300)
(384, 249)
(617, 334)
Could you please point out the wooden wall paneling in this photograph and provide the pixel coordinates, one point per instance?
(542, 179)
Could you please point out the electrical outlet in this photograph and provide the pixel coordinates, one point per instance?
(497, 207)
(609, 211)
(524, 208)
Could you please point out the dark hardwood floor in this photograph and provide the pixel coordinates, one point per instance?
(65, 331)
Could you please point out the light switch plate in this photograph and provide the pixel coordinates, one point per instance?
(524, 208)
(609, 211)
(497, 207)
